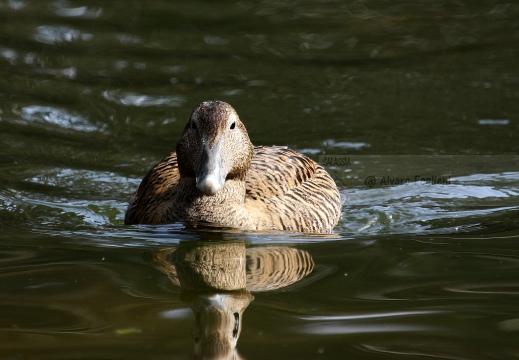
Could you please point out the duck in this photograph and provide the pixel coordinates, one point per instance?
(217, 176)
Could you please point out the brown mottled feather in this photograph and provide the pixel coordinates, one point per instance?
(155, 194)
(300, 193)
(220, 265)
(283, 190)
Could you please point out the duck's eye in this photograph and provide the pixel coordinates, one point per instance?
(233, 125)
(193, 125)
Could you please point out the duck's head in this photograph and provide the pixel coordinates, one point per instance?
(214, 147)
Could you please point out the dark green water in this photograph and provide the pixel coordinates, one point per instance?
(93, 93)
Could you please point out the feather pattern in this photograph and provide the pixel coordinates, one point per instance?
(265, 188)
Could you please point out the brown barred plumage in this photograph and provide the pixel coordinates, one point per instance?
(232, 266)
(217, 176)
(217, 279)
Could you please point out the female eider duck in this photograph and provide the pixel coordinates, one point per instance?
(218, 176)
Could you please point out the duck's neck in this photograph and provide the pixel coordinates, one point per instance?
(233, 192)
(227, 207)
(214, 209)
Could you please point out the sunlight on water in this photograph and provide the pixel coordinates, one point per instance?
(409, 208)
(82, 11)
(412, 207)
(133, 99)
(46, 115)
(52, 35)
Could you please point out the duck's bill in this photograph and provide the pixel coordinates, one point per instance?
(210, 177)
(209, 184)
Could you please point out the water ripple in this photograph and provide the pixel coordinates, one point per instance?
(70, 197)
(105, 183)
(341, 327)
(345, 144)
(62, 8)
(369, 316)
(491, 288)
(418, 207)
(52, 35)
(60, 306)
(48, 115)
(401, 352)
(135, 99)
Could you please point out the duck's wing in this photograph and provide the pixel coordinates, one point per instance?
(298, 192)
(150, 203)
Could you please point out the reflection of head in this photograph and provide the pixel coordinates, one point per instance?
(214, 347)
(218, 318)
(216, 279)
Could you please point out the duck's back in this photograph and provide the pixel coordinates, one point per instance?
(299, 193)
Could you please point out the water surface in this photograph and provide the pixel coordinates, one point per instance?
(417, 103)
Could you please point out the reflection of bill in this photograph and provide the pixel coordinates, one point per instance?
(217, 280)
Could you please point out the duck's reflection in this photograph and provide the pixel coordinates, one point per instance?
(217, 279)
